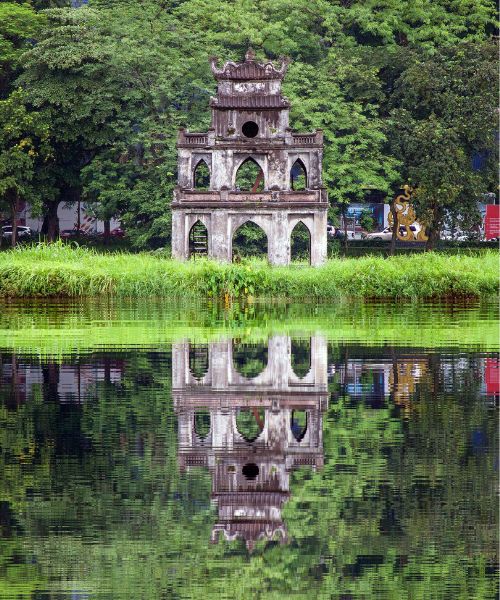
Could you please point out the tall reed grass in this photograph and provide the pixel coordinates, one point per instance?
(66, 271)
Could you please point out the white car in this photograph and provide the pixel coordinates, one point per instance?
(22, 231)
(386, 234)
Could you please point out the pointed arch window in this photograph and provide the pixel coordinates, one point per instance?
(202, 423)
(201, 176)
(298, 424)
(250, 423)
(249, 360)
(298, 176)
(249, 177)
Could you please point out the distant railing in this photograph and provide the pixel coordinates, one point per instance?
(194, 139)
(305, 139)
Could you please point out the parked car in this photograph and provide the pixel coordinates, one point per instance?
(71, 234)
(335, 232)
(22, 231)
(117, 232)
(386, 234)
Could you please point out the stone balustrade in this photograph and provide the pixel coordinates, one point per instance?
(205, 139)
(197, 197)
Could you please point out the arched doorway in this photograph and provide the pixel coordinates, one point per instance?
(201, 176)
(249, 360)
(298, 176)
(249, 240)
(198, 360)
(198, 240)
(300, 244)
(301, 357)
(249, 177)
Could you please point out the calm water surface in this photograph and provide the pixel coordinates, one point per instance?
(158, 451)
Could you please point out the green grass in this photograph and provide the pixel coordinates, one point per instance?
(63, 271)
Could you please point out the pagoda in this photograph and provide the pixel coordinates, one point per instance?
(249, 126)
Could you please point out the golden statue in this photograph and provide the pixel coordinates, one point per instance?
(406, 217)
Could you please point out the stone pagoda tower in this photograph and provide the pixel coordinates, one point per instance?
(249, 125)
(250, 475)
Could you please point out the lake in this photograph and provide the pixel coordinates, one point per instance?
(154, 449)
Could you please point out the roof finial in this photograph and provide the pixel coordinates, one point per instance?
(250, 55)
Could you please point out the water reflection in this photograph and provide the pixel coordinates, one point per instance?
(335, 470)
(258, 427)
(66, 383)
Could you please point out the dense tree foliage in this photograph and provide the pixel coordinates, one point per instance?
(24, 153)
(402, 90)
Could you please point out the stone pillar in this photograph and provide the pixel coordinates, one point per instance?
(278, 239)
(221, 246)
(180, 242)
(319, 239)
(185, 427)
(180, 361)
(319, 361)
(278, 359)
(220, 364)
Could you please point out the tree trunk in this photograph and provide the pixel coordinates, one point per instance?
(395, 227)
(13, 219)
(107, 231)
(434, 231)
(344, 217)
(432, 239)
(78, 216)
(50, 226)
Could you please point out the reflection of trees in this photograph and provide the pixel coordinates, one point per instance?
(402, 505)
(301, 356)
(202, 422)
(250, 423)
(250, 359)
(198, 360)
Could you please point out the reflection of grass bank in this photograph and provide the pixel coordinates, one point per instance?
(64, 271)
(57, 328)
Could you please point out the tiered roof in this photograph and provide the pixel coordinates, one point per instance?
(249, 70)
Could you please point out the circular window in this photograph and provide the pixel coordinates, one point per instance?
(250, 129)
(250, 471)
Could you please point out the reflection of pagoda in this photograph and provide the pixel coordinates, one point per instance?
(250, 476)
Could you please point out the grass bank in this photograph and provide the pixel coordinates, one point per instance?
(65, 271)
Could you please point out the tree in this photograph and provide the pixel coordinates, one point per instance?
(366, 220)
(444, 113)
(107, 181)
(68, 76)
(119, 78)
(24, 146)
(19, 27)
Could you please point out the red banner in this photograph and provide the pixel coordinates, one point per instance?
(492, 376)
(492, 221)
